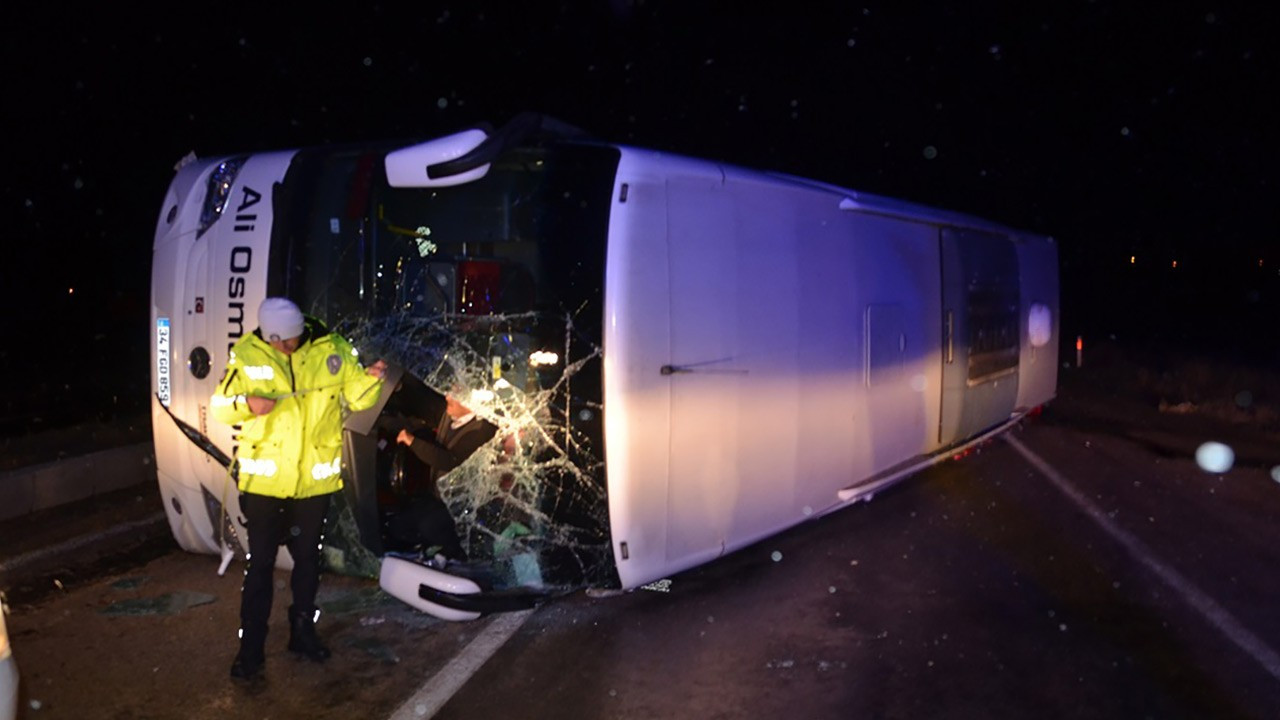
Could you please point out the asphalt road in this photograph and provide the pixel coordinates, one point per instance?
(1083, 567)
(979, 589)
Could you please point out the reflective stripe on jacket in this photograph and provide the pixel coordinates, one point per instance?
(294, 451)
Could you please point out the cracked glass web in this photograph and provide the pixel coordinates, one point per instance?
(529, 503)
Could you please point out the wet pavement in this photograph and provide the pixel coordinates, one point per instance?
(978, 588)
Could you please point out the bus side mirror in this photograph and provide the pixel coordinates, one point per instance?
(409, 167)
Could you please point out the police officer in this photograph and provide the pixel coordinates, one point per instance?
(285, 385)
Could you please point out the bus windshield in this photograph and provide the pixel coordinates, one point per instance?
(490, 292)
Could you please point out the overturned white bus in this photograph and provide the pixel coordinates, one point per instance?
(680, 357)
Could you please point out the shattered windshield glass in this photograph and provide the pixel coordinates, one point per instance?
(489, 293)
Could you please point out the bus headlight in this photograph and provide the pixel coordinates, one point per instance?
(219, 191)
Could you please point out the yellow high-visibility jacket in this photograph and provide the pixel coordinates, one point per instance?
(294, 451)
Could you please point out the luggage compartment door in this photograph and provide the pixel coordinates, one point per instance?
(980, 334)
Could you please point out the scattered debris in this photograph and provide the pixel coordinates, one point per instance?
(166, 604)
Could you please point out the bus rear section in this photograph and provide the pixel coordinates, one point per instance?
(778, 348)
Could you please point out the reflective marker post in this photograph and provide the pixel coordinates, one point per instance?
(1079, 350)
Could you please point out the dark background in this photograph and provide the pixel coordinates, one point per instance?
(1125, 130)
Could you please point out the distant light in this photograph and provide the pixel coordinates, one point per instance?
(1175, 263)
(1133, 259)
(1215, 457)
(1259, 262)
(71, 291)
(543, 357)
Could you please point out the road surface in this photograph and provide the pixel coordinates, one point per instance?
(1083, 566)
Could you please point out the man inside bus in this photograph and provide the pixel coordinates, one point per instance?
(426, 523)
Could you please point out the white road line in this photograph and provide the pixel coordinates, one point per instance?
(1217, 615)
(434, 693)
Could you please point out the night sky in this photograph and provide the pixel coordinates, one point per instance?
(1143, 130)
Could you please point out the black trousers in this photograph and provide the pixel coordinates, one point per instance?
(296, 523)
(425, 523)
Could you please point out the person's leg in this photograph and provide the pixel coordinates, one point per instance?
(304, 536)
(263, 520)
(437, 528)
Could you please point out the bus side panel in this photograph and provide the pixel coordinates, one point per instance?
(770, 344)
(981, 300)
(722, 383)
(776, 350)
(804, 343)
(897, 273)
(636, 395)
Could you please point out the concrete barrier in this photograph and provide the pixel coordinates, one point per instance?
(37, 487)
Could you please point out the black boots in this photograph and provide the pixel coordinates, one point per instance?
(250, 659)
(302, 636)
(247, 665)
